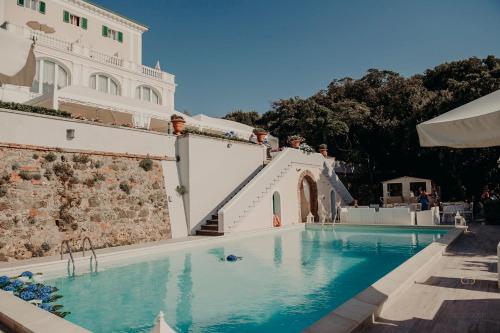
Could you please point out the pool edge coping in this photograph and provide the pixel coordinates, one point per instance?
(360, 311)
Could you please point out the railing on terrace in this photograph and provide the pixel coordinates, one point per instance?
(151, 72)
(107, 59)
(58, 44)
(50, 41)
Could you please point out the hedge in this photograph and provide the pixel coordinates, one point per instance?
(34, 109)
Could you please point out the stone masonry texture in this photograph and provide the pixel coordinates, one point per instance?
(47, 197)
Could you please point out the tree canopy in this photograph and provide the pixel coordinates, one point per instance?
(371, 122)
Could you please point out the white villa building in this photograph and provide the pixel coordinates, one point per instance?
(89, 63)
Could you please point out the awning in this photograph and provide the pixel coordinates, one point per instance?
(103, 115)
(158, 125)
(473, 125)
(18, 65)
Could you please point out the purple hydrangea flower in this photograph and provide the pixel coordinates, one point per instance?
(17, 284)
(4, 280)
(27, 295)
(32, 288)
(45, 298)
(45, 289)
(8, 288)
(27, 274)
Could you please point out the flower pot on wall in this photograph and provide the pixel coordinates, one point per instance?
(324, 152)
(261, 136)
(178, 125)
(295, 143)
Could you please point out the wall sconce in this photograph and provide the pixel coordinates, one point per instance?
(170, 198)
(70, 134)
(298, 169)
(229, 145)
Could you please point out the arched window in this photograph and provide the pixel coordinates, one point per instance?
(49, 75)
(104, 83)
(147, 94)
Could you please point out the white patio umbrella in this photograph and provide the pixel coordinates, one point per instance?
(473, 125)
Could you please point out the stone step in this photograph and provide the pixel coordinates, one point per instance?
(213, 221)
(210, 227)
(208, 233)
(215, 217)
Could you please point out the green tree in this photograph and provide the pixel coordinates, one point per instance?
(371, 122)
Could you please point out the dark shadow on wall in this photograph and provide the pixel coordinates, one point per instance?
(457, 316)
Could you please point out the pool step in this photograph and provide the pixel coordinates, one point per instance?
(211, 228)
(208, 233)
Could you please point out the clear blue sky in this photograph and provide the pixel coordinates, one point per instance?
(230, 54)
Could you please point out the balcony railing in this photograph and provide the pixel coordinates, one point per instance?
(107, 59)
(58, 44)
(151, 72)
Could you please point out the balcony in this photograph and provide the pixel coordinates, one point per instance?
(76, 48)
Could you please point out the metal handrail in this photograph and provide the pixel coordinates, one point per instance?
(93, 252)
(71, 259)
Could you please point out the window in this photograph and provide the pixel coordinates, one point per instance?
(113, 34)
(147, 94)
(75, 20)
(49, 76)
(35, 5)
(395, 189)
(104, 84)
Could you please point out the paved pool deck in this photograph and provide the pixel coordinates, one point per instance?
(458, 294)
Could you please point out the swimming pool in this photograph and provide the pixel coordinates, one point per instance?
(285, 282)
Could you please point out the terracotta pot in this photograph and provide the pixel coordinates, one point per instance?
(324, 152)
(261, 136)
(295, 143)
(178, 125)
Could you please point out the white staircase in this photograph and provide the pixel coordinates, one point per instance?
(337, 184)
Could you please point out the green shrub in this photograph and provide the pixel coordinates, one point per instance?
(36, 176)
(98, 164)
(146, 164)
(50, 157)
(181, 189)
(25, 175)
(15, 166)
(45, 246)
(63, 170)
(34, 109)
(35, 156)
(492, 212)
(3, 191)
(125, 187)
(81, 158)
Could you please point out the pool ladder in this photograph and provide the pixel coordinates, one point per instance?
(93, 256)
(71, 259)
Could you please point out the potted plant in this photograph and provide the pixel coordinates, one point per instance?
(261, 134)
(178, 123)
(295, 141)
(323, 150)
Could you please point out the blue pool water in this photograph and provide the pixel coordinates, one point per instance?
(285, 282)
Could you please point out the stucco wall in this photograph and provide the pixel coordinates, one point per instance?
(47, 197)
(211, 169)
(30, 129)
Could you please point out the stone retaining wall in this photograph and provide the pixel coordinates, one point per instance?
(47, 197)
